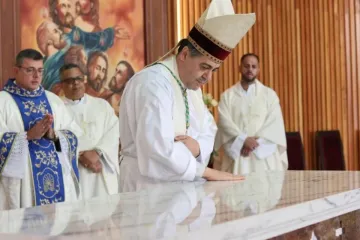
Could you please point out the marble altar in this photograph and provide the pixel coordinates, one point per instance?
(264, 205)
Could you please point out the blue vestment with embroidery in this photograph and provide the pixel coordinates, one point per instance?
(46, 170)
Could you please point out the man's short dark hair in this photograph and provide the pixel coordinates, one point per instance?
(249, 55)
(28, 53)
(186, 43)
(70, 66)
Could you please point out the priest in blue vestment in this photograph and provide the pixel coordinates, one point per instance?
(38, 140)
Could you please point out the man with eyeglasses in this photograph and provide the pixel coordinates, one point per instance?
(38, 140)
(99, 167)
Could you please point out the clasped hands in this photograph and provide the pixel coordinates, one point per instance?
(250, 145)
(91, 160)
(42, 128)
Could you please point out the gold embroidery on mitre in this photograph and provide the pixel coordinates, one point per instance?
(211, 38)
(203, 52)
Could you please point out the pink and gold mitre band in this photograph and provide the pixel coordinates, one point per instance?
(208, 45)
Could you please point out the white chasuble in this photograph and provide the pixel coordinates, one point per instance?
(101, 133)
(258, 115)
(152, 115)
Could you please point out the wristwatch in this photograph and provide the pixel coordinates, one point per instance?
(55, 138)
(56, 141)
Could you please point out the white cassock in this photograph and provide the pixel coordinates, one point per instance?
(152, 114)
(252, 113)
(16, 178)
(101, 133)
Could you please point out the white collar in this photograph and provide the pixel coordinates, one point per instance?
(250, 90)
(68, 101)
(171, 63)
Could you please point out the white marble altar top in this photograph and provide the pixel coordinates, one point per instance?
(262, 206)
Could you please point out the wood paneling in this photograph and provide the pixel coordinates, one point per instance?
(309, 54)
(156, 22)
(9, 37)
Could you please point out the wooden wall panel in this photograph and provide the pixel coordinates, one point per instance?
(9, 37)
(156, 22)
(309, 54)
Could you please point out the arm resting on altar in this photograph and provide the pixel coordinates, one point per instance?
(159, 156)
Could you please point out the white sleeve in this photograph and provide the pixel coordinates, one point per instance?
(64, 154)
(106, 162)
(234, 147)
(207, 138)
(16, 162)
(265, 148)
(229, 135)
(200, 167)
(159, 156)
(108, 145)
(10, 189)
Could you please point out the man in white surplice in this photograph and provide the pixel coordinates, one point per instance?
(251, 126)
(99, 145)
(38, 140)
(166, 132)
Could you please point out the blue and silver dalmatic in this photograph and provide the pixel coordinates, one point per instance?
(46, 169)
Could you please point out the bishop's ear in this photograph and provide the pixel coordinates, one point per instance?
(184, 53)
